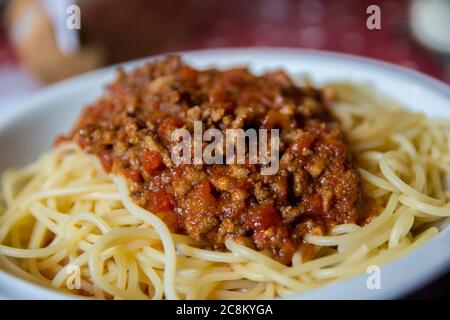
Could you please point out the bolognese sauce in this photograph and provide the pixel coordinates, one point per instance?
(316, 187)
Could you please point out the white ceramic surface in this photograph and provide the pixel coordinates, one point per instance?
(30, 128)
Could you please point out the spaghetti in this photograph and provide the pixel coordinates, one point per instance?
(64, 213)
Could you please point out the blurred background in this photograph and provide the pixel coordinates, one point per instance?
(37, 47)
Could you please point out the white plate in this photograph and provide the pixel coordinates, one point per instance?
(30, 129)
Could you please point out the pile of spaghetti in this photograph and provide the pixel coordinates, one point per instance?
(63, 216)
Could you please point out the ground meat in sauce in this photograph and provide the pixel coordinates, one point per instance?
(317, 186)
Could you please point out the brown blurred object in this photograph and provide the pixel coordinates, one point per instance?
(142, 28)
(32, 36)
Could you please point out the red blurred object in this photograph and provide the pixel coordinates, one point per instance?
(6, 50)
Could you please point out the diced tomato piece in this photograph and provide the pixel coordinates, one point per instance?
(59, 139)
(262, 218)
(106, 159)
(167, 126)
(314, 204)
(205, 198)
(102, 110)
(174, 122)
(275, 119)
(160, 201)
(204, 187)
(170, 218)
(368, 211)
(235, 76)
(133, 175)
(151, 161)
(335, 145)
(189, 74)
(302, 143)
(217, 95)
